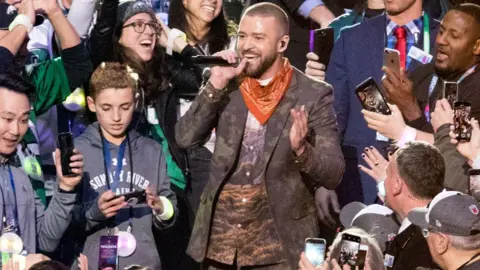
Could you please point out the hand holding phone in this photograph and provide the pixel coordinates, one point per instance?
(109, 204)
(132, 198)
(323, 45)
(315, 250)
(450, 92)
(391, 59)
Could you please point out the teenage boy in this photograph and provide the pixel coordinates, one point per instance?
(21, 210)
(132, 163)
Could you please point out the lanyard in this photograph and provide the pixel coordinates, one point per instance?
(471, 259)
(116, 177)
(10, 219)
(107, 159)
(426, 33)
(434, 82)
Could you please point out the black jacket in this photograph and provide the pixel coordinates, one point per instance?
(410, 251)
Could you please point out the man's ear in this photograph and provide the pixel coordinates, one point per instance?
(441, 243)
(398, 185)
(283, 44)
(91, 104)
(476, 48)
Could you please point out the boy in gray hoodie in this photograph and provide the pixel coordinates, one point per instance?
(21, 210)
(132, 163)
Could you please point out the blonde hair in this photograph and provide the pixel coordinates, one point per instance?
(112, 75)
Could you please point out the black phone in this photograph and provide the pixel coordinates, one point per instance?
(315, 250)
(462, 113)
(349, 248)
(323, 44)
(371, 98)
(474, 183)
(133, 198)
(66, 146)
(450, 92)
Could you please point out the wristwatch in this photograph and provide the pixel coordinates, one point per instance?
(21, 19)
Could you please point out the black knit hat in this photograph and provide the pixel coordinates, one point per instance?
(129, 9)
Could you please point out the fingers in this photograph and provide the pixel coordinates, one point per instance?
(327, 217)
(334, 203)
(311, 56)
(392, 76)
(239, 69)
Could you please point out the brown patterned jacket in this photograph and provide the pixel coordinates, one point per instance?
(289, 180)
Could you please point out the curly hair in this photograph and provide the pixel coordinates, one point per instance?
(111, 75)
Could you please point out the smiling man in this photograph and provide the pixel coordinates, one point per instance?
(277, 141)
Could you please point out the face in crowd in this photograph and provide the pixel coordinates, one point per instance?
(457, 43)
(261, 41)
(140, 35)
(14, 115)
(114, 109)
(395, 7)
(204, 11)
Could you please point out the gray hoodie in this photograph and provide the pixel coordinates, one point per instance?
(149, 170)
(40, 229)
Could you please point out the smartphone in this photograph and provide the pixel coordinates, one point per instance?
(133, 198)
(323, 44)
(315, 250)
(391, 59)
(65, 144)
(474, 184)
(371, 98)
(362, 256)
(349, 248)
(461, 121)
(108, 257)
(450, 92)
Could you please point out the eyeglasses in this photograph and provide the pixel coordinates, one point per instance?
(140, 26)
(426, 232)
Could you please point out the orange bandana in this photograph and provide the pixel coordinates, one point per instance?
(262, 101)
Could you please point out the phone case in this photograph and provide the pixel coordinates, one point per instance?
(324, 41)
(391, 59)
(461, 120)
(66, 146)
(450, 92)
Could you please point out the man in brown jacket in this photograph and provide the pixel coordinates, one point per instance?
(277, 141)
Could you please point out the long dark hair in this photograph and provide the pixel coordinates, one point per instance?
(154, 77)
(217, 37)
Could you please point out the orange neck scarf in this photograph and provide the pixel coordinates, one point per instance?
(262, 101)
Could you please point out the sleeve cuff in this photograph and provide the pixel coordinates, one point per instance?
(476, 163)
(211, 94)
(306, 8)
(168, 210)
(305, 159)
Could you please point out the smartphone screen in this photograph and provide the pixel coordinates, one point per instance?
(372, 100)
(462, 115)
(349, 248)
(108, 258)
(450, 92)
(474, 185)
(315, 250)
(391, 59)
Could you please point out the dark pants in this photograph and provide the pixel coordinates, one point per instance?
(172, 243)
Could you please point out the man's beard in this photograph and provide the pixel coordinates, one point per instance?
(448, 74)
(264, 66)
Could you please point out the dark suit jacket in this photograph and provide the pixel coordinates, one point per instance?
(357, 55)
(289, 180)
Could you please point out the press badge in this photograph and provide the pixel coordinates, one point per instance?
(381, 138)
(419, 55)
(108, 258)
(389, 259)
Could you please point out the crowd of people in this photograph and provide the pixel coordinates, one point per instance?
(177, 165)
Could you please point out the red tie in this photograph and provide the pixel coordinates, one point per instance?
(401, 45)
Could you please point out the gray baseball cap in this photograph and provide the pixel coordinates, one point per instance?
(375, 219)
(450, 212)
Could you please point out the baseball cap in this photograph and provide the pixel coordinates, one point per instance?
(450, 212)
(375, 219)
(8, 14)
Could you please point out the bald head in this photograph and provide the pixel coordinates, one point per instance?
(270, 10)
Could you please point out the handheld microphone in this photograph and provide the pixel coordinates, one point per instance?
(213, 61)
